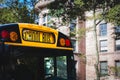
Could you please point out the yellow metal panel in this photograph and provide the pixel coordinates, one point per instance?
(41, 45)
(37, 28)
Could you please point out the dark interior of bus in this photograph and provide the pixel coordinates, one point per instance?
(27, 63)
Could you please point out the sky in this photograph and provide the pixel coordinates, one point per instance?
(21, 0)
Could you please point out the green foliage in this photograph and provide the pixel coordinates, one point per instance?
(114, 69)
(7, 16)
(56, 8)
(62, 8)
(1, 1)
(57, 12)
(82, 32)
(66, 10)
(114, 15)
(79, 3)
(17, 11)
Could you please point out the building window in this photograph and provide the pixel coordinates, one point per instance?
(46, 20)
(72, 28)
(117, 29)
(117, 32)
(117, 66)
(117, 44)
(103, 29)
(74, 45)
(103, 45)
(103, 68)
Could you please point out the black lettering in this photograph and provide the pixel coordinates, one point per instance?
(46, 37)
(43, 37)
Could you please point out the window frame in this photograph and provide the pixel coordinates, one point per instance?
(105, 70)
(103, 29)
(117, 45)
(72, 29)
(74, 45)
(117, 73)
(105, 46)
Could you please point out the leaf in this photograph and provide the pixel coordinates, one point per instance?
(114, 15)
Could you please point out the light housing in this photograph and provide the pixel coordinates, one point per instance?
(63, 41)
(10, 33)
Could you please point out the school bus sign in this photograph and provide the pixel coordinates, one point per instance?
(38, 36)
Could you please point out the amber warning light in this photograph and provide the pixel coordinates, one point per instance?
(13, 36)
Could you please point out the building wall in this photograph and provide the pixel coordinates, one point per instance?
(90, 50)
(80, 56)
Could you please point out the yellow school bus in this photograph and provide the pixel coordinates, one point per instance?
(34, 52)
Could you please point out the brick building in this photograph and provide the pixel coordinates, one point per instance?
(109, 51)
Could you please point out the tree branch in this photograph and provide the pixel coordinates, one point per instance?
(98, 22)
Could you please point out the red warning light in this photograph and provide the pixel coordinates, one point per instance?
(5, 34)
(67, 42)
